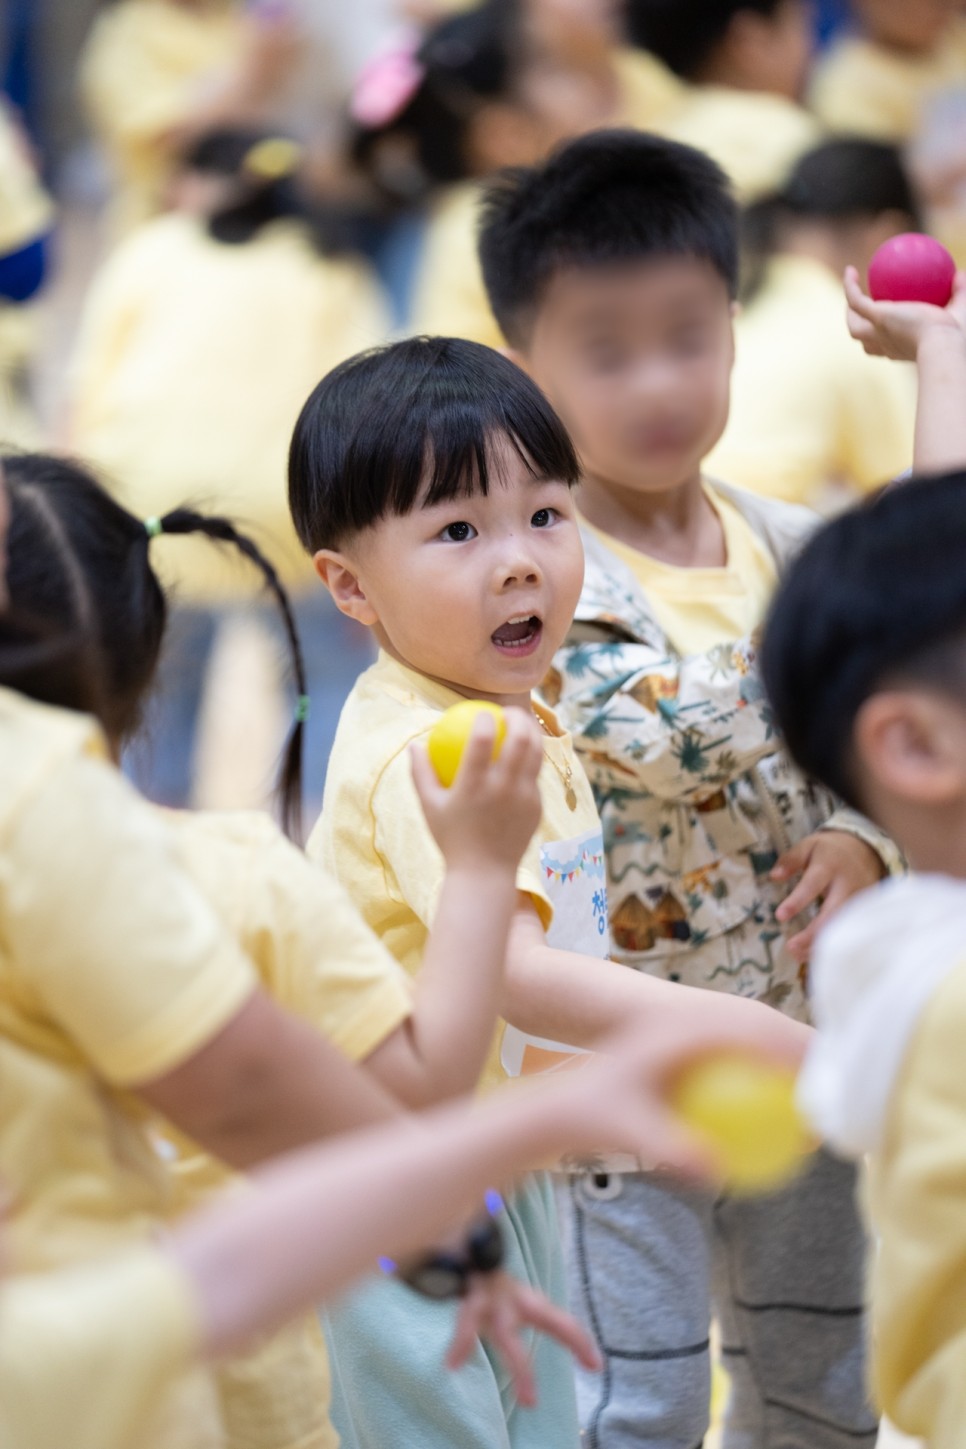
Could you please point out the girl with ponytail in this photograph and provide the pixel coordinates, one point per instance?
(201, 338)
(813, 419)
(80, 565)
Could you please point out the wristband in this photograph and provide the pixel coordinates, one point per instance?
(442, 1276)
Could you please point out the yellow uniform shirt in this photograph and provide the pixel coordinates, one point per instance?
(316, 957)
(373, 835)
(701, 608)
(113, 970)
(193, 363)
(26, 213)
(144, 66)
(450, 298)
(755, 136)
(809, 410)
(916, 1198)
(88, 1355)
(861, 88)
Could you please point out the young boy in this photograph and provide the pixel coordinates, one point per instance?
(612, 272)
(864, 659)
(746, 62)
(432, 482)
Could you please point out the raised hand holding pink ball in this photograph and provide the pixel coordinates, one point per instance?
(912, 267)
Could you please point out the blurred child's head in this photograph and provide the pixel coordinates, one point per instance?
(78, 566)
(238, 179)
(755, 45)
(451, 108)
(864, 660)
(431, 481)
(917, 26)
(841, 202)
(612, 270)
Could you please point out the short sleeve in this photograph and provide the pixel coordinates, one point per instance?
(415, 868)
(88, 1355)
(110, 931)
(317, 956)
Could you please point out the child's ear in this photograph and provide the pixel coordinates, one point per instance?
(342, 580)
(912, 746)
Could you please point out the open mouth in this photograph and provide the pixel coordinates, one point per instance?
(519, 635)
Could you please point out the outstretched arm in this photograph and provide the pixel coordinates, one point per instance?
(318, 1219)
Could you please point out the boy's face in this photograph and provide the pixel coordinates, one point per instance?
(636, 358)
(915, 25)
(477, 592)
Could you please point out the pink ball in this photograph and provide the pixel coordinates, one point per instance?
(912, 268)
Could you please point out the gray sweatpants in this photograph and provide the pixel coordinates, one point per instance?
(784, 1273)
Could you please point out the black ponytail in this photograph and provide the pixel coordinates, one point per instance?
(186, 521)
(841, 181)
(79, 565)
(265, 167)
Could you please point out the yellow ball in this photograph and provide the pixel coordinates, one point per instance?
(745, 1111)
(448, 737)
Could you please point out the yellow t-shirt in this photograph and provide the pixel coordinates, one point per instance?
(26, 213)
(450, 298)
(861, 88)
(193, 363)
(113, 971)
(701, 608)
(809, 409)
(373, 835)
(916, 1195)
(88, 1355)
(316, 957)
(755, 136)
(144, 66)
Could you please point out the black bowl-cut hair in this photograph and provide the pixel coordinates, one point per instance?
(413, 424)
(610, 196)
(877, 597)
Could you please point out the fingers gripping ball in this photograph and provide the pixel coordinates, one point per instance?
(744, 1110)
(448, 737)
(912, 268)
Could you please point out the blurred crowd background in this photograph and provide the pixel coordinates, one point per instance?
(206, 204)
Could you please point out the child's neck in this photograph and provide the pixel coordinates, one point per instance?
(677, 525)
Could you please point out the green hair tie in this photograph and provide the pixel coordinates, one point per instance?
(153, 527)
(302, 706)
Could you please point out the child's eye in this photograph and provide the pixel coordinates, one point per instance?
(458, 532)
(543, 517)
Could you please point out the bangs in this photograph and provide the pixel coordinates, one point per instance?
(413, 425)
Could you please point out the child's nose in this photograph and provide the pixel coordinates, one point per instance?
(516, 566)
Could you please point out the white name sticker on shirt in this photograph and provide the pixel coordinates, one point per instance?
(574, 878)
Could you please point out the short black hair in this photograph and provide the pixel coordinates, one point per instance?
(845, 179)
(686, 35)
(610, 196)
(378, 423)
(877, 595)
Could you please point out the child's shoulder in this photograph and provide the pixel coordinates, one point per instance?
(388, 708)
(37, 741)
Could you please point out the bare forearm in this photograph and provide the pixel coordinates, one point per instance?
(459, 989)
(319, 1219)
(580, 1000)
(940, 443)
